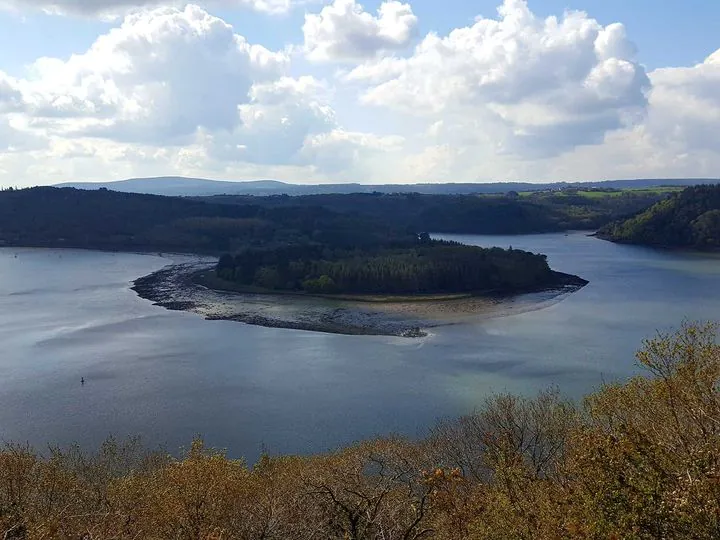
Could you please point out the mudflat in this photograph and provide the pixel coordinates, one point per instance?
(184, 287)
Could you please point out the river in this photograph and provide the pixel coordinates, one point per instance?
(167, 376)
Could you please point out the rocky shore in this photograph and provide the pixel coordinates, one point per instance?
(175, 287)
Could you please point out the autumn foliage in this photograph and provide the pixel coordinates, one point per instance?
(639, 459)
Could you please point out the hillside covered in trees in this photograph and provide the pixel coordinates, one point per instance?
(52, 217)
(689, 219)
(636, 460)
(512, 213)
(112, 220)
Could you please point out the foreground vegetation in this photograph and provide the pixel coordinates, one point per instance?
(637, 460)
(689, 219)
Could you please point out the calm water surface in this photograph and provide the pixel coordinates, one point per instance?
(168, 376)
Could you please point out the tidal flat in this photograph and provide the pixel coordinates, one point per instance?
(184, 287)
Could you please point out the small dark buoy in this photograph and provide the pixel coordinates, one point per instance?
(82, 381)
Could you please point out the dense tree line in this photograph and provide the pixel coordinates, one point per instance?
(471, 214)
(690, 218)
(111, 220)
(636, 460)
(301, 247)
(426, 267)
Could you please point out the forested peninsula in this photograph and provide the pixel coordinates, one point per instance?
(276, 245)
(688, 219)
(350, 246)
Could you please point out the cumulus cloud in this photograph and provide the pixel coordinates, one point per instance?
(176, 90)
(685, 106)
(10, 95)
(343, 31)
(338, 150)
(158, 78)
(549, 84)
(180, 87)
(111, 9)
(290, 122)
(679, 137)
(275, 123)
(15, 139)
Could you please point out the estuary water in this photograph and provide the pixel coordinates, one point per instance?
(168, 376)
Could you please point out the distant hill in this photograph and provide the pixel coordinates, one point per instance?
(690, 218)
(179, 186)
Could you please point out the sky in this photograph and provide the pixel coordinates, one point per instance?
(332, 91)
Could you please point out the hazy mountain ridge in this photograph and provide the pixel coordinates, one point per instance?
(179, 186)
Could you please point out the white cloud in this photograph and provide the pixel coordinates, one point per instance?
(275, 123)
(179, 91)
(434, 162)
(112, 9)
(157, 79)
(375, 72)
(15, 139)
(679, 137)
(343, 31)
(547, 84)
(10, 95)
(339, 150)
(685, 106)
(290, 122)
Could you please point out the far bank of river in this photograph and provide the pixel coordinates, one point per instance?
(192, 287)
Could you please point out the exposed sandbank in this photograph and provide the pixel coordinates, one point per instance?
(177, 287)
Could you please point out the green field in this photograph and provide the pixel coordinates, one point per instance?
(601, 194)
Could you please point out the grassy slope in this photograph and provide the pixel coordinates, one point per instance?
(599, 194)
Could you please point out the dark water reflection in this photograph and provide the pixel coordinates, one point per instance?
(168, 376)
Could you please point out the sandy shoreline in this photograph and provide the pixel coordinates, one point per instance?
(174, 288)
